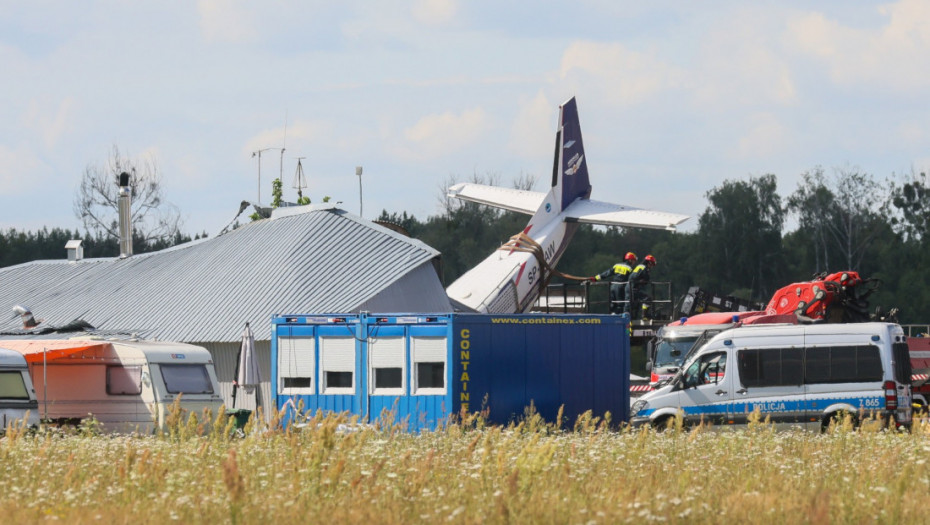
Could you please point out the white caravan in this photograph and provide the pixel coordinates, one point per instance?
(511, 278)
(17, 397)
(794, 375)
(127, 386)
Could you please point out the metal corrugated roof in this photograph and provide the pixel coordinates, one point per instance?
(321, 260)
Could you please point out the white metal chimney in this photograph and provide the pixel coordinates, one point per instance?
(125, 216)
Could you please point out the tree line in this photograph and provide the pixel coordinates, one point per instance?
(18, 246)
(842, 220)
(742, 245)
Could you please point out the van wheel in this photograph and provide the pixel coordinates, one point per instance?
(838, 419)
(663, 423)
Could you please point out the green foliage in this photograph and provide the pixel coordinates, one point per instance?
(839, 217)
(739, 247)
(740, 234)
(912, 201)
(276, 193)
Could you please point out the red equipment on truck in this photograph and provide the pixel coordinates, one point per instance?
(840, 297)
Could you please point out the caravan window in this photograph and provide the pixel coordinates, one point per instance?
(12, 385)
(843, 364)
(429, 360)
(186, 379)
(124, 380)
(337, 364)
(296, 358)
(386, 363)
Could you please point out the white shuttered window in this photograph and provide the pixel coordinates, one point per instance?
(429, 365)
(337, 365)
(296, 360)
(386, 375)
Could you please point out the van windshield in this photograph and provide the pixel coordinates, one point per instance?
(12, 385)
(186, 379)
(671, 352)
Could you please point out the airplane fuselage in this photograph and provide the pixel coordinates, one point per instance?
(508, 281)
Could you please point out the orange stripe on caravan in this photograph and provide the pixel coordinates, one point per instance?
(33, 350)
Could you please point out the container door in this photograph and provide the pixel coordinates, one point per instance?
(340, 370)
(385, 352)
(430, 376)
(294, 368)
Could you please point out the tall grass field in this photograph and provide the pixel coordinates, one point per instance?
(333, 470)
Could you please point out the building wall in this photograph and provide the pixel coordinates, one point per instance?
(225, 356)
(418, 291)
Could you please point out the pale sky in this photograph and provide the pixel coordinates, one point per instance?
(674, 97)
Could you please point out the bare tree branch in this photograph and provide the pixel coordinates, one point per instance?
(97, 200)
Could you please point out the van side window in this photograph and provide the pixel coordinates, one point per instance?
(709, 369)
(770, 367)
(843, 364)
(124, 380)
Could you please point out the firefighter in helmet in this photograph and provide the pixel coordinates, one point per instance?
(618, 275)
(636, 287)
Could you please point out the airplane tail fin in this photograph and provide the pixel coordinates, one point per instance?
(569, 168)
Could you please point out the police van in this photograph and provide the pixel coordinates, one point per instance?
(795, 375)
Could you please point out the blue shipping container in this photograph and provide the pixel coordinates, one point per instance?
(423, 368)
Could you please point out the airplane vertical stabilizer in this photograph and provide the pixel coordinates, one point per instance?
(570, 169)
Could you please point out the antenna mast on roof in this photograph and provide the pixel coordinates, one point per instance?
(283, 145)
(300, 181)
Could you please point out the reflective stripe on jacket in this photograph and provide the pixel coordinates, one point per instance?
(619, 272)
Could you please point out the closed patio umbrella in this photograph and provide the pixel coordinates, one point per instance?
(248, 375)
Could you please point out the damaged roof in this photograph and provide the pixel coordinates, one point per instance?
(311, 259)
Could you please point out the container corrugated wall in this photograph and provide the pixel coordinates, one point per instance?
(506, 362)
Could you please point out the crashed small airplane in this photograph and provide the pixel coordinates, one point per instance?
(510, 279)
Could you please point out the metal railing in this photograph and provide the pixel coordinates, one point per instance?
(916, 330)
(587, 297)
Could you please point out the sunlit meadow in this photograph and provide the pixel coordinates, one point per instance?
(333, 470)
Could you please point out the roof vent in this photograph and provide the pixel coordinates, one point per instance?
(28, 320)
(75, 249)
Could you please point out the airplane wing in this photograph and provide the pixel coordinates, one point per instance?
(521, 201)
(596, 212)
